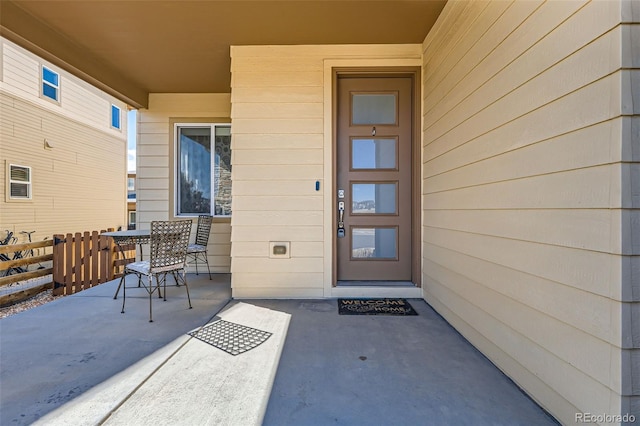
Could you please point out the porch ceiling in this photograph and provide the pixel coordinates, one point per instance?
(133, 48)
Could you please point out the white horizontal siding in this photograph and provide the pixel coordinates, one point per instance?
(524, 167)
(91, 107)
(154, 169)
(78, 100)
(20, 71)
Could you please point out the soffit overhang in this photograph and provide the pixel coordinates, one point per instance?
(133, 48)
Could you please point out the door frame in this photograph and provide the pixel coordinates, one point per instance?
(414, 72)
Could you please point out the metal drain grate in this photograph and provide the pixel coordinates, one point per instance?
(231, 338)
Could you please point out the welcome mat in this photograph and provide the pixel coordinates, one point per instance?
(375, 307)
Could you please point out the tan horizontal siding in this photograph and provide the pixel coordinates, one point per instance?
(258, 248)
(588, 100)
(79, 185)
(523, 192)
(276, 233)
(582, 188)
(279, 153)
(574, 308)
(566, 347)
(277, 110)
(278, 156)
(589, 271)
(153, 173)
(588, 229)
(630, 192)
(277, 218)
(583, 148)
(264, 78)
(583, 56)
(288, 186)
(256, 142)
(277, 95)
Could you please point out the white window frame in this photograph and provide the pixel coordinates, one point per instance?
(112, 115)
(135, 217)
(45, 82)
(28, 183)
(176, 165)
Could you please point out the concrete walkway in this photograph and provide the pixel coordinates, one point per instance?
(52, 354)
(79, 361)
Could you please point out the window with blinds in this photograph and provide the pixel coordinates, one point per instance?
(20, 182)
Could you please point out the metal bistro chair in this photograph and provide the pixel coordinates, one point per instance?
(198, 250)
(168, 255)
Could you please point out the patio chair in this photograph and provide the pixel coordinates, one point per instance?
(197, 251)
(168, 255)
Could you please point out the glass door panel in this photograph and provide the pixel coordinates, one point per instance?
(374, 243)
(374, 108)
(374, 198)
(374, 154)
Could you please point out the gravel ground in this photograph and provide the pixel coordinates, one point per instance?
(40, 299)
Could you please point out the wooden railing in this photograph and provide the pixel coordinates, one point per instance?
(24, 263)
(84, 260)
(79, 261)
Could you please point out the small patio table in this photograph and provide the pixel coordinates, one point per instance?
(128, 237)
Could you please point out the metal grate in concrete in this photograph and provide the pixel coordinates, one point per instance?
(230, 337)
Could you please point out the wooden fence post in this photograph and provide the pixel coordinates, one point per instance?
(58, 264)
(110, 258)
(68, 265)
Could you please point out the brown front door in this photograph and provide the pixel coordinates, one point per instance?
(373, 192)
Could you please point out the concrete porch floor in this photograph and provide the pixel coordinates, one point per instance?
(333, 369)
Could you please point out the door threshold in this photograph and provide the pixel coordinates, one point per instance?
(376, 289)
(375, 284)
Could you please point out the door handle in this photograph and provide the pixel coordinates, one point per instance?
(341, 219)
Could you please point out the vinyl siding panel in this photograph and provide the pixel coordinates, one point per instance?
(78, 100)
(528, 205)
(80, 183)
(62, 202)
(20, 71)
(154, 151)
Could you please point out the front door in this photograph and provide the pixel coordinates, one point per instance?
(374, 179)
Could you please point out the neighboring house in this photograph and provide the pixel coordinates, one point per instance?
(493, 170)
(131, 200)
(62, 149)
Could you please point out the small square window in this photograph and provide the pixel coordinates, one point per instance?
(115, 117)
(50, 84)
(19, 182)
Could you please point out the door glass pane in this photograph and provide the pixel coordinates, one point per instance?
(373, 198)
(373, 109)
(373, 243)
(373, 154)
